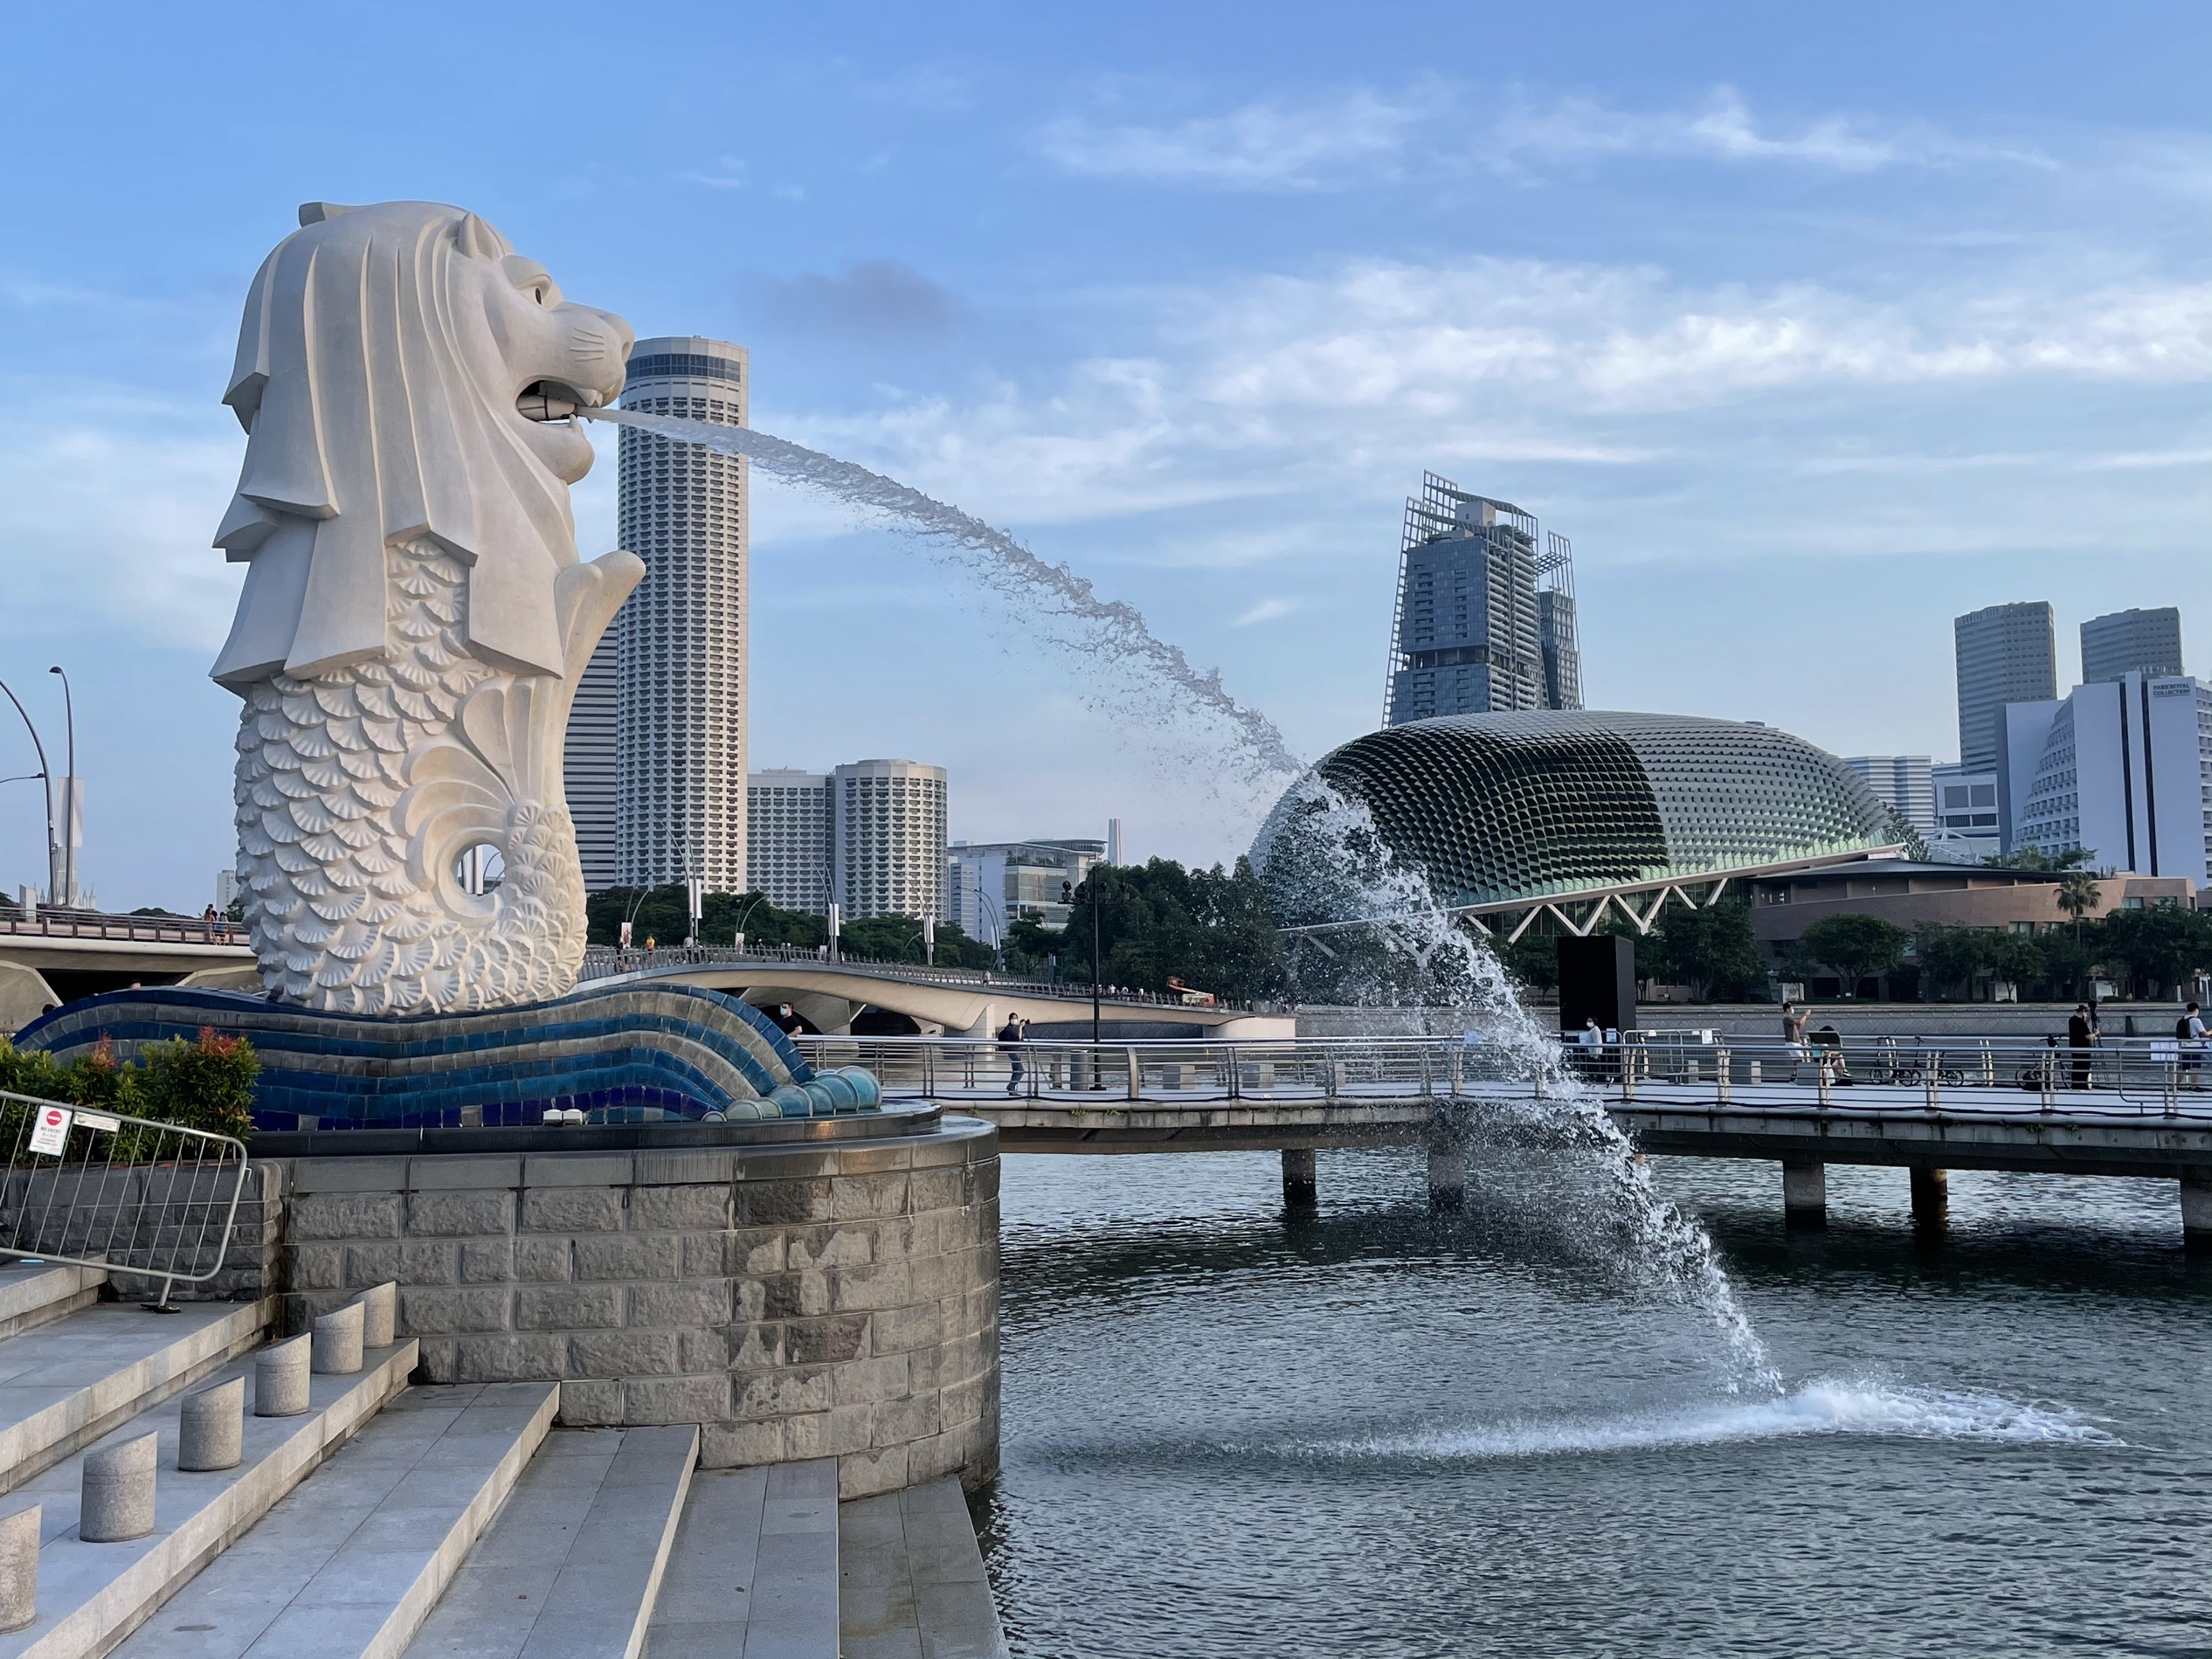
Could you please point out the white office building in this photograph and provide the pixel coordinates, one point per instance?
(1904, 784)
(1968, 826)
(787, 838)
(681, 801)
(996, 883)
(2122, 768)
(887, 841)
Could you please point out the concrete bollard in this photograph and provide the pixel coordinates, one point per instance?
(281, 1378)
(19, 1568)
(379, 1315)
(337, 1341)
(118, 1501)
(210, 1430)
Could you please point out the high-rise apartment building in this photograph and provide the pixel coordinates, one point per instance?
(1485, 623)
(1905, 783)
(2145, 642)
(588, 762)
(887, 834)
(681, 801)
(2006, 654)
(787, 839)
(2124, 769)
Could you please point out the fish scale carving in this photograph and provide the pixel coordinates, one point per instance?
(359, 790)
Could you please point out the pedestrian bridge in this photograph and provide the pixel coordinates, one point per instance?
(57, 956)
(830, 994)
(2139, 1107)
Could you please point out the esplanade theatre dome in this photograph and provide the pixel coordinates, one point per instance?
(1502, 807)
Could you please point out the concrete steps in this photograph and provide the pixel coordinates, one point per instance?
(754, 1570)
(93, 1595)
(64, 1384)
(33, 1292)
(573, 1565)
(352, 1562)
(910, 1579)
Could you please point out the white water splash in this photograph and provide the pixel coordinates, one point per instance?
(1109, 631)
(1827, 1406)
(1324, 856)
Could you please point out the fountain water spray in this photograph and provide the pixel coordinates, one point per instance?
(1345, 868)
(1108, 630)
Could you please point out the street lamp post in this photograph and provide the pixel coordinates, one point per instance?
(70, 808)
(44, 775)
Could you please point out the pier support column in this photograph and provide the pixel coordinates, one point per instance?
(2196, 1209)
(1804, 1193)
(1447, 1175)
(1300, 1189)
(1931, 1195)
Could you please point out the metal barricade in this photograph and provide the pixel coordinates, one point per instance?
(101, 1190)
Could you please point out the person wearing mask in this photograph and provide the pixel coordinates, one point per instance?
(1011, 1034)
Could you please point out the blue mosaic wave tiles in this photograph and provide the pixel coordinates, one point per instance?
(627, 1053)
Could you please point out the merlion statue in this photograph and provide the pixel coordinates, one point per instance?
(415, 615)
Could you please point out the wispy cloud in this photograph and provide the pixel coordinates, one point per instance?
(1260, 146)
(729, 175)
(1270, 387)
(1360, 134)
(1722, 128)
(1266, 611)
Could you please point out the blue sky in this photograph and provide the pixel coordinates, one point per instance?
(1812, 327)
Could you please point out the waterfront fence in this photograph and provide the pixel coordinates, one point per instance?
(2123, 1076)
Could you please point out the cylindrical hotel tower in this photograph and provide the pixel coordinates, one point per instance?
(682, 802)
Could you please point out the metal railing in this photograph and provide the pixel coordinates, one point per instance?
(601, 962)
(103, 1190)
(141, 929)
(2130, 1077)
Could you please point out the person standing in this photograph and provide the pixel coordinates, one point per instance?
(1794, 1029)
(2081, 1036)
(2190, 1029)
(1011, 1034)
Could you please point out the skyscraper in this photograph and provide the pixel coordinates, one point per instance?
(1474, 633)
(588, 761)
(2006, 654)
(787, 838)
(682, 800)
(2145, 642)
(887, 838)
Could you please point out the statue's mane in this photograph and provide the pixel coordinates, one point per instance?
(361, 381)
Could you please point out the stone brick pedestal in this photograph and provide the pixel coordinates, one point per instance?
(830, 1299)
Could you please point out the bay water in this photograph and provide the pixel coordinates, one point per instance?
(1374, 1430)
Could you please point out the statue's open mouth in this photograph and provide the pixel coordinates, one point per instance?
(552, 400)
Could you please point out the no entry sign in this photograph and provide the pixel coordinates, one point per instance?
(50, 1133)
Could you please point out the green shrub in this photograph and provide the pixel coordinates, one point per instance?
(207, 1084)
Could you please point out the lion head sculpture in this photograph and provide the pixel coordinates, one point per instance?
(385, 363)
